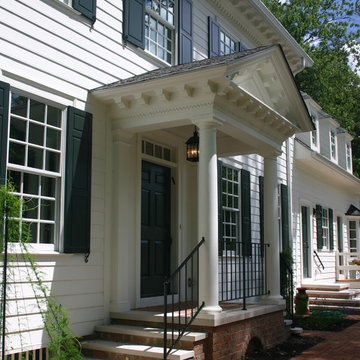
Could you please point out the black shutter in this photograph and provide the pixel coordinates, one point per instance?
(285, 217)
(245, 213)
(185, 32)
(134, 22)
(214, 37)
(262, 214)
(331, 229)
(86, 7)
(4, 115)
(220, 209)
(78, 181)
(319, 232)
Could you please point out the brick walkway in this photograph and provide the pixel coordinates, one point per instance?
(344, 345)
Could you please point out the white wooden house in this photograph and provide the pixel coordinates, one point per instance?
(325, 202)
(98, 98)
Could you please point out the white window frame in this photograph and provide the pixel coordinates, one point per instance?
(152, 14)
(352, 238)
(348, 156)
(227, 43)
(325, 228)
(234, 211)
(333, 144)
(25, 170)
(315, 134)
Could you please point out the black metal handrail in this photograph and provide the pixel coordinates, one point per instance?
(241, 275)
(317, 255)
(287, 285)
(184, 283)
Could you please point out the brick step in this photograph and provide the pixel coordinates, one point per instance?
(341, 294)
(145, 335)
(349, 310)
(111, 350)
(335, 302)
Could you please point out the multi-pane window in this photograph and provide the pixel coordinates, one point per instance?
(325, 227)
(353, 236)
(348, 156)
(333, 144)
(34, 163)
(314, 133)
(227, 45)
(230, 207)
(159, 29)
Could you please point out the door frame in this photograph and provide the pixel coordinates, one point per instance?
(174, 201)
(310, 220)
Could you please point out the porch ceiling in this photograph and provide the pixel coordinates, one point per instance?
(251, 95)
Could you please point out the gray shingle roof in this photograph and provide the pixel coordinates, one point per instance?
(177, 69)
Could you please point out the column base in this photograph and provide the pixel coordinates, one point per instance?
(211, 309)
(273, 300)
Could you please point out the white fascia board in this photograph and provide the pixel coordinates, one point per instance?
(281, 29)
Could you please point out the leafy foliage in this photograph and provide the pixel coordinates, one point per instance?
(330, 33)
(62, 345)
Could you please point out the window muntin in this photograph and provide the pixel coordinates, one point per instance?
(34, 163)
(325, 228)
(227, 45)
(353, 236)
(159, 29)
(333, 144)
(230, 207)
(348, 156)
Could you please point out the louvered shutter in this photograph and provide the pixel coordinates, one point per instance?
(245, 213)
(78, 182)
(86, 7)
(319, 232)
(213, 37)
(285, 217)
(185, 32)
(4, 115)
(134, 22)
(331, 229)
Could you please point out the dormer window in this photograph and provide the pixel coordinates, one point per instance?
(348, 157)
(333, 144)
(314, 133)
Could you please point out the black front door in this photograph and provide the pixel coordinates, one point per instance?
(305, 242)
(155, 228)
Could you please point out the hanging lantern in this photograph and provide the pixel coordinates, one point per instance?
(192, 147)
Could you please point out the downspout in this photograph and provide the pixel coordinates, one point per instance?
(301, 68)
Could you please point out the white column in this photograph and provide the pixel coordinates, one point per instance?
(208, 217)
(271, 229)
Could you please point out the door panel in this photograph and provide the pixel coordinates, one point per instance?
(155, 228)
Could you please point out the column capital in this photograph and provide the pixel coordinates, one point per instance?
(206, 122)
(271, 154)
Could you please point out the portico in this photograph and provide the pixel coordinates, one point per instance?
(238, 108)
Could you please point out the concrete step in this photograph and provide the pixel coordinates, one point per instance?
(110, 349)
(145, 335)
(340, 294)
(326, 287)
(349, 310)
(335, 302)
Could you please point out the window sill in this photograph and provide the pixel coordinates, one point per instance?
(33, 249)
(68, 7)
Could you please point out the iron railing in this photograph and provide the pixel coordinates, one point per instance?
(241, 277)
(287, 285)
(183, 289)
(317, 256)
